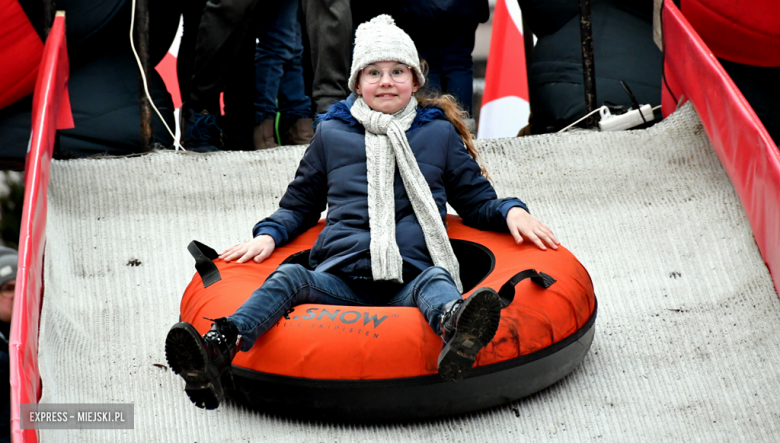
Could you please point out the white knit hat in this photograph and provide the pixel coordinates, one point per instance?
(381, 40)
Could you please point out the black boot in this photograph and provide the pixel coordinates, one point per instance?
(203, 362)
(199, 131)
(466, 327)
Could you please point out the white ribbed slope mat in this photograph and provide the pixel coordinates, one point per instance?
(687, 337)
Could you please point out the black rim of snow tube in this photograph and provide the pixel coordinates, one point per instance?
(413, 398)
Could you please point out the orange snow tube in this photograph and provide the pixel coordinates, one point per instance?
(380, 363)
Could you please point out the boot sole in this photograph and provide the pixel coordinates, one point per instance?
(187, 358)
(477, 325)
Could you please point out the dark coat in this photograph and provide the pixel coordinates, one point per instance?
(476, 10)
(623, 50)
(333, 173)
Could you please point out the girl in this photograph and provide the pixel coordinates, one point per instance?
(385, 164)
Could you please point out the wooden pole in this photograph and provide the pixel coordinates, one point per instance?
(141, 32)
(588, 65)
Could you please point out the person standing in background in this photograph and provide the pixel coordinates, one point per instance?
(329, 27)
(221, 32)
(444, 31)
(279, 76)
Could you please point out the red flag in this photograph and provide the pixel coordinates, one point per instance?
(167, 69)
(505, 107)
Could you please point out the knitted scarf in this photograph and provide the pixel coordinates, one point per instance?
(386, 146)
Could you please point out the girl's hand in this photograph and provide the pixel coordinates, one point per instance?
(523, 225)
(259, 248)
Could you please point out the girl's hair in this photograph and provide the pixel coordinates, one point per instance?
(454, 113)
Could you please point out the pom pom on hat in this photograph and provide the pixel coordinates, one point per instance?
(383, 19)
(381, 40)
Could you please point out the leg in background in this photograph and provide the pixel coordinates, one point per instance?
(186, 57)
(278, 50)
(427, 37)
(221, 33)
(457, 64)
(329, 26)
(238, 121)
(295, 125)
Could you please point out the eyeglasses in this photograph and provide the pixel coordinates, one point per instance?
(7, 289)
(399, 73)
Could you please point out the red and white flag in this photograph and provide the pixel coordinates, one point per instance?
(167, 69)
(505, 107)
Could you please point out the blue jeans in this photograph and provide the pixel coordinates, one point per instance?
(292, 285)
(446, 44)
(278, 69)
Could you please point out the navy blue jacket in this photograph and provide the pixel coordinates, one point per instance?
(332, 172)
